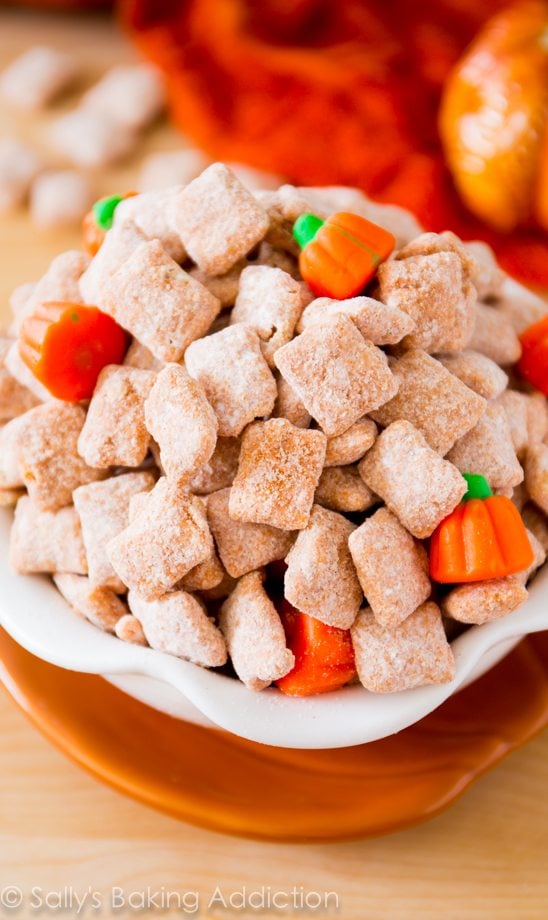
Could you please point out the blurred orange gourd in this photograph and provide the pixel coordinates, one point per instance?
(494, 119)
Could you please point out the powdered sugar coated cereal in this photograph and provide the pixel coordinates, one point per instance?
(176, 623)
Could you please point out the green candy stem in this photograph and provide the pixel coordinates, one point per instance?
(478, 487)
(103, 211)
(306, 227)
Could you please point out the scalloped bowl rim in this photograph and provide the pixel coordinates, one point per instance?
(33, 612)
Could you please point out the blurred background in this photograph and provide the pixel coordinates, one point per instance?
(437, 105)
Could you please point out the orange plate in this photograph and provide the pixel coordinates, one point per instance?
(312, 795)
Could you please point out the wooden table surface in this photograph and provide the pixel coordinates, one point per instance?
(484, 858)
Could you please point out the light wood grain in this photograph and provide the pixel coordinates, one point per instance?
(484, 858)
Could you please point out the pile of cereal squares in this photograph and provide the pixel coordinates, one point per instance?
(281, 433)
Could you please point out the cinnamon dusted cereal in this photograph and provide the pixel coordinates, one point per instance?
(91, 139)
(536, 474)
(494, 336)
(152, 213)
(486, 275)
(350, 446)
(158, 302)
(537, 523)
(484, 601)
(182, 422)
(477, 371)
(60, 283)
(436, 402)
(337, 374)
(380, 323)
(103, 509)
(176, 623)
(538, 560)
(341, 488)
(269, 300)
(204, 577)
(435, 290)
(60, 198)
(46, 541)
(488, 449)
(141, 357)
(36, 77)
(516, 407)
(289, 406)
(278, 472)
(537, 417)
(47, 452)
(98, 605)
(14, 397)
(223, 287)
(392, 568)
(321, 579)
(15, 366)
(11, 476)
(520, 306)
(166, 538)
(114, 433)
(254, 634)
(413, 654)
(119, 243)
(10, 497)
(283, 206)
(19, 165)
(218, 219)
(244, 547)
(220, 470)
(235, 376)
(129, 629)
(416, 484)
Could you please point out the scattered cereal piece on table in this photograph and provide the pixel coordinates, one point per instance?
(19, 166)
(182, 422)
(244, 547)
(378, 322)
(59, 199)
(481, 602)
(413, 654)
(171, 167)
(269, 300)
(392, 568)
(103, 509)
(158, 302)
(47, 452)
(91, 139)
(416, 484)
(254, 634)
(341, 488)
(218, 219)
(536, 474)
(220, 470)
(494, 336)
(167, 538)
(36, 77)
(488, 449)
(337, 374)
(321, 579)
(46, 541)
(235, 376)
(278, 472)
(177, 624)
(436, 402)
(477, 371)
(131, 95)
(98, 605)
(114, 432)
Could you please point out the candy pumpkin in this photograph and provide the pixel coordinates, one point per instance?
(533, 364)
(483, 538)
(493, 118)
(340, 255)
(324, 655)
(66, 345)
(99, 219)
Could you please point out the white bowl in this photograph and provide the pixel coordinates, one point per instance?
(35, 615)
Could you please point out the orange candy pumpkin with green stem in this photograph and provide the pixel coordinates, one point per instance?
(324, 655)
(340, 255)
(66, 345)
(483, 538)
(533, 364)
